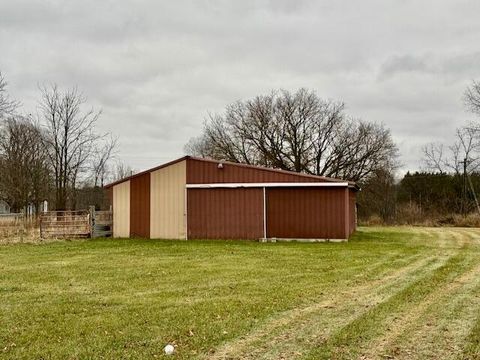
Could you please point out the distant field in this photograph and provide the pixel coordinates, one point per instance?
(388, 293)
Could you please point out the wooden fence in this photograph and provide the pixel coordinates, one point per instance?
(75, 224)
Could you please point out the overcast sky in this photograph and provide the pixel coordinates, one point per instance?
(157, 68)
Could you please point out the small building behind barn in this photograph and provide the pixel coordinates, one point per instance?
(195, 198)
(4, 207)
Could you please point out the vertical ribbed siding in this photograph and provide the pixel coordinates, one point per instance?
(140, 206)
(121, 209)
(352, 210)
(225, 213)
(167, 214)
(205, 172)
(310, 213)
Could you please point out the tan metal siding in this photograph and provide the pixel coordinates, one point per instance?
(140, 206)
(121, 209)
(167, 202)
(225, 213)
(311, 213)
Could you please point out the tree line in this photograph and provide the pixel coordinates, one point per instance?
(302, 132)
(298, 132)
(59, 155)
(447, 186)
(56, 155)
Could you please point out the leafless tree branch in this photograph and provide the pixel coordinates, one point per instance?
(299, 132)
(7, 105)
(70, 139)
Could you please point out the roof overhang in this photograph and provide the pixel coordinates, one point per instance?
(266, 185)
(317, 179)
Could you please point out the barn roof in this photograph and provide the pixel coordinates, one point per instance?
(320, 178)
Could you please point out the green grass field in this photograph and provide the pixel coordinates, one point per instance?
(388, 293)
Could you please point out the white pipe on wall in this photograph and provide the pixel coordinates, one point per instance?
(186, 214)
(264, 213)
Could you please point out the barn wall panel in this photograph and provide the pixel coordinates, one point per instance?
(140, 206)
(167, 214)
(310, 213)
(225, 213)
(121, 209)
(203, 172)
(352, 198)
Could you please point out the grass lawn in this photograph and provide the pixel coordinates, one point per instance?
(388, 293)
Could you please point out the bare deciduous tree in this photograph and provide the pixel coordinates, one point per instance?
(102, 155)
(298, 132)
(7, 106)
(466, 146)
(434, 158)
(472, 97)
(70, 139)
(23, 164)
(121, 171)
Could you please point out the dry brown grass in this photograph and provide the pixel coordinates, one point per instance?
(471, 220)
(29, 235)
(17, 229)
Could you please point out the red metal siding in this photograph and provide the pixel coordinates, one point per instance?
(352, 207)
(225, 213)
(310, 213)
(140, 206)
(206, 172)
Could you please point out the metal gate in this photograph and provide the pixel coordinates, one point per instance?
(76, 224)
(101, 223)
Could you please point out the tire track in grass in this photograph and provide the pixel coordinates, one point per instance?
(307, 332)
(280, 335)
(471, 348)
(473, 237)
(347, 342)
(294, 325)
(440, 331)
(447, 238)
(425, 331)
(443, 333)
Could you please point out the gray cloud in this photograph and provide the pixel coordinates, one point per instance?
(157, 68)
(453, 66)
(405, 64)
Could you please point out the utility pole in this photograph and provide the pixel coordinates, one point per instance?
(464, 192)
(472, 189)
(466, 182)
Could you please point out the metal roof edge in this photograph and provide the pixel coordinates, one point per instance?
(257, 167)
(147, 171)
(266, 185)
(187, 157)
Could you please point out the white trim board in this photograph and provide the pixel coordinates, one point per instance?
(264, 213)
(266, 185)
